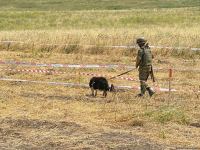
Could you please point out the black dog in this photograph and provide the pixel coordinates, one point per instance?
(100, 83)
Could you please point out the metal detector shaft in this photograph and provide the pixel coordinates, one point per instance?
(122, 73)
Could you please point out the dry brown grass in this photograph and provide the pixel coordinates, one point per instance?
(41, 116)
(162, 119)
(44, 40)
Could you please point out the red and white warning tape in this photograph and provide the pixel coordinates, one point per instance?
(64, 72)
(34, 71)
(82, 85)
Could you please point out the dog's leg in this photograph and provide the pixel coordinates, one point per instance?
(92, 91)
(104, 93)
(95, 93)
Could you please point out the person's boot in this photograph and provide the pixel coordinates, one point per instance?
(139, 95)
(142, 89)
(151, 92)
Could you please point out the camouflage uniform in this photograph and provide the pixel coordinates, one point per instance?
(144, 62)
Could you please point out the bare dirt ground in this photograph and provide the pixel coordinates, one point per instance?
(26, 134)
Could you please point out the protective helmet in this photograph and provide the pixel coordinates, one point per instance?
(141, 41)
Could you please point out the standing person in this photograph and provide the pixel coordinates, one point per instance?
(144, 63)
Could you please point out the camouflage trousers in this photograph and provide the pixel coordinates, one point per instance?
(144, 74)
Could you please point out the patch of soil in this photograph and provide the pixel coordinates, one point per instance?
(120, 141)
(196, 124)
(44, 134)
(25, 123)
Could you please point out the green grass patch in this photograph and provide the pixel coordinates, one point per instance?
(31, 20)
(168, 114)
(93, 4)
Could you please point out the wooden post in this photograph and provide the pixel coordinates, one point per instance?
(170, 77)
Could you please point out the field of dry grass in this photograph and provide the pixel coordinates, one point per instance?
(158, 35)
(44, 116)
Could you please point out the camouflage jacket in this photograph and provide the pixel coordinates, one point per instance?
(144, 58)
